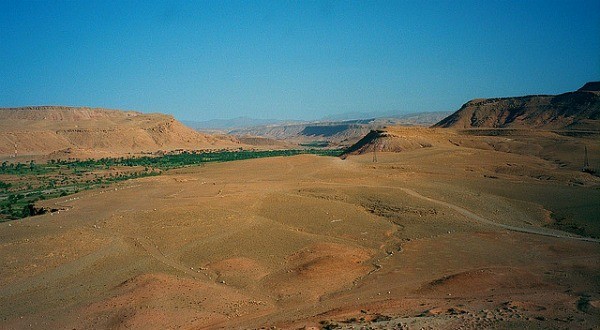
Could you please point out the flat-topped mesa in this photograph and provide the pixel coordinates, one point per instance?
(592, 86)
(63, 113)
(97, 132)
(573, 110)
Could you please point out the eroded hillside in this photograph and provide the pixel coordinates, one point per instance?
(68, 131)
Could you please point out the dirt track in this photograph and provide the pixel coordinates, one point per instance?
(471, 215)
(536, 231)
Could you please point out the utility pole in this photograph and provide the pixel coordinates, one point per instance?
(375, 152)
(586, 160)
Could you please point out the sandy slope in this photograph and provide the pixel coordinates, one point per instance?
(306, 240)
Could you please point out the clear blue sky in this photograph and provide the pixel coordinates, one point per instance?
(200, 60)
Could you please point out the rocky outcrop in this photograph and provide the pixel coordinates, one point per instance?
(573, 110)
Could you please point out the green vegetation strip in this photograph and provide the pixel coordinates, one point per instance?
(21, 185)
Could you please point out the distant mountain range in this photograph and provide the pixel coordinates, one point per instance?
(225, 125)
(343, 132)
(229, 124)
(573, 110)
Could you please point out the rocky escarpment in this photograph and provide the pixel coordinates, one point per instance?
(572, 110)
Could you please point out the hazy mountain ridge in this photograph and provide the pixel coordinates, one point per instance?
(229, 124)
(234, 124)
(344, 132)
(572, 110)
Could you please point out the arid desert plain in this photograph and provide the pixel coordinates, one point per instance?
(469, 232)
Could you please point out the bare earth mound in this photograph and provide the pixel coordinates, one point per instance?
(81, 132)
(397, 139)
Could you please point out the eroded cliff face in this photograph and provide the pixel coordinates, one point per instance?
(573, 110)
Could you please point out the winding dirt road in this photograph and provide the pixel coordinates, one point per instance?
(476, 217)
(473, 216)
